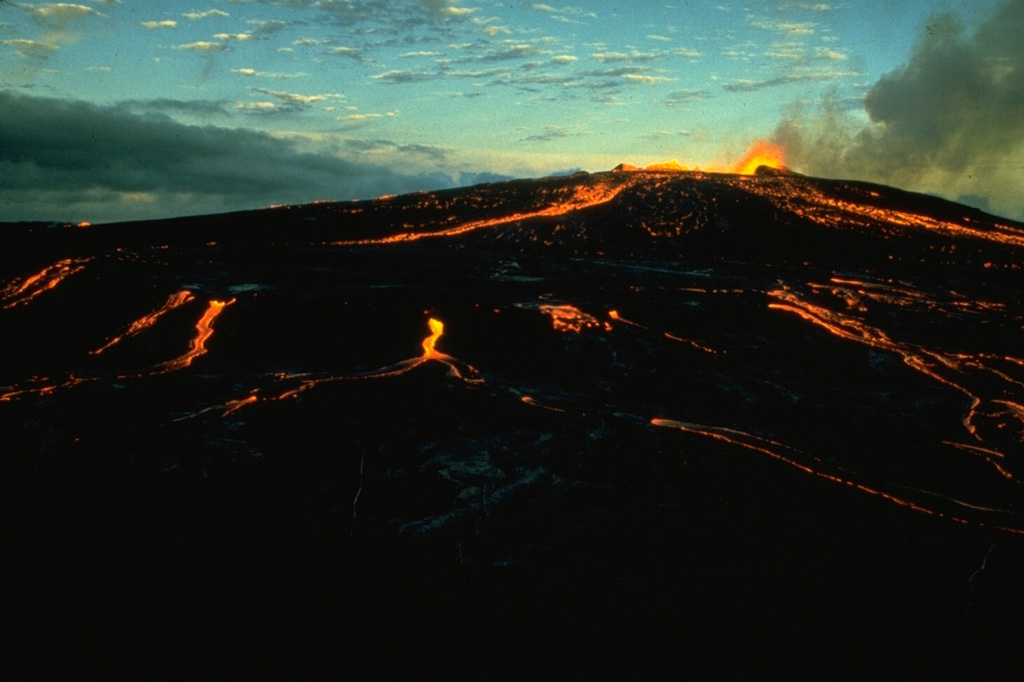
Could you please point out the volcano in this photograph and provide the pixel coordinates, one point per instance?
(617, 420)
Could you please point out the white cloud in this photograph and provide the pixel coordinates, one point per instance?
(207, 13)
(59, 11)
(203, 46)
(31, 48)
(166, 23)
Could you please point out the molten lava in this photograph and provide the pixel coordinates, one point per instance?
(761, 153)
(197, 347)
(436, 329)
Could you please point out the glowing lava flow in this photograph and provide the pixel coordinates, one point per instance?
(761, 153)
(584, 197)
(197, 347)
(456, 368)
(614, 314)
(567, 318)
(956, 371)
(20, 293)
(779, 452)
(173, 301)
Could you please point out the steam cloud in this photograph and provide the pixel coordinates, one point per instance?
(949, 120)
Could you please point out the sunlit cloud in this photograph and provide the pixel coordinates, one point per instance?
(203, 46)
(403, 76)
(165, 23)
(58, 11)
(31, 49)
(291, 98)
(364, 118)
(207, 13)
(353, 53)
(266, 74)
(634, 56)
(792, 29)
(233, 36)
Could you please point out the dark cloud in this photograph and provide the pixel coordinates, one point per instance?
(422, 151)
(548, 134)
(70, 160)
(198, 108)
(948, 121)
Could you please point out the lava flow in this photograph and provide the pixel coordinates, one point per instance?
(23, 291)
(175, 300)
(197, 347)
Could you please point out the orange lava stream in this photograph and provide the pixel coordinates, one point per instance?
(820, 208)
(456, 368)
(584, 197)
(21, 292)
(772, 449)
(173, 301)
(570, 319)
(958, 371)
(614, 314)
(197, 347)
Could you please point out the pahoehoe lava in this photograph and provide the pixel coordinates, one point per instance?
(624, 418)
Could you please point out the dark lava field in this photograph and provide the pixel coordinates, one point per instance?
(645, 424)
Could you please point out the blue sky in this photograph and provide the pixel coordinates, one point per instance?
(125, 109)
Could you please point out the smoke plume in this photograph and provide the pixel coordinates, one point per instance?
(949, 121)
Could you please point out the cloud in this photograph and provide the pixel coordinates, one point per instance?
(791, 29)
(568, 14)
(207, 13)
(291, 98)
(233, 36)
(357, 118)
(948, 121)
(203, 46)
(70, 160)
(686, 96)
(266, 27)
(266, 74)
(634, 56)
(650, 80)
(202, 109)
(165, 23)
(391, 149)
(58, 12)
(31, 49)
(794, 76)
(548, 134)
(353, 53)
(403, 76)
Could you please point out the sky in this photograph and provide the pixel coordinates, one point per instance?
(134, 109)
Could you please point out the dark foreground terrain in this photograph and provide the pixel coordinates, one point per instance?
(626, 422)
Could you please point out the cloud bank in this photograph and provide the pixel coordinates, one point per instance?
(950, 118)
(69, 161)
